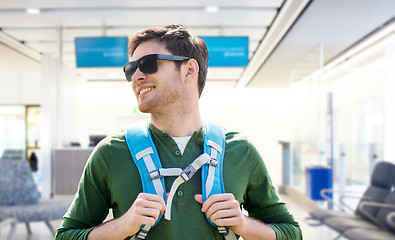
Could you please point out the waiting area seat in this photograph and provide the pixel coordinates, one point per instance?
(383, 222)
(4, 224)
(373, 215)
(19, 197)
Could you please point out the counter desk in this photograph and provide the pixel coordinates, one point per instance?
(67, 167)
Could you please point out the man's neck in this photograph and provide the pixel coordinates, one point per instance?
(177, 124)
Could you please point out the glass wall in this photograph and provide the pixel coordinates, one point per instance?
(12, 131)
(358, 88)
(20, 134)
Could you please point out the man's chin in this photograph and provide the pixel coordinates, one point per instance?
(144, 108)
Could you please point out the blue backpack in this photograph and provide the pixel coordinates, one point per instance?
(146, 158)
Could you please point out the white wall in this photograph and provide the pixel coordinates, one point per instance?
(261, 114)
(20, 87)
(102, 107)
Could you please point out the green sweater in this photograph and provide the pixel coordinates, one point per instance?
(111, 181)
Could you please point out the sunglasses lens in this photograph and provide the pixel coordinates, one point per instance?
(149, 64)
(129, 70)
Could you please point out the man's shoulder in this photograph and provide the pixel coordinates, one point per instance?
(239, 142)
(115, 137)
(111, 142)
(112, 150)
(236, 138)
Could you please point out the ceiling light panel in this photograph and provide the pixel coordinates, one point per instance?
(33, 11)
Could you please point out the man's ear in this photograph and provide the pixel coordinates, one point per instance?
(191, 69)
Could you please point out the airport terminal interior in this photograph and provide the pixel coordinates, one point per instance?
(310, 82)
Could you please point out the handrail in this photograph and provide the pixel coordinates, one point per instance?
(376, 204)
(391, 219)
(6, 222)
(342, 205)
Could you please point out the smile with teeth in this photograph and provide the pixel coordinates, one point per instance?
(145, 90)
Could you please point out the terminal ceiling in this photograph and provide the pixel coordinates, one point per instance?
(281, 32)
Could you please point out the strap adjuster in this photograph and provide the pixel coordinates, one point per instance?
(155, 174)
(223, 231)
(141, 234)
(213, 162)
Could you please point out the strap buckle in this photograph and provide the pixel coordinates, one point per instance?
(187, 173)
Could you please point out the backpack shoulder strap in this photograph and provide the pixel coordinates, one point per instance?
(214, 146)
(146, 158)
(212, 181)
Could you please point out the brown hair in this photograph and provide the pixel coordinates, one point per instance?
(179, 42)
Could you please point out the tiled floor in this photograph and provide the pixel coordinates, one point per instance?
(300, 212)
(39, 232)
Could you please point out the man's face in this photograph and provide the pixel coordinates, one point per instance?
(156, 92)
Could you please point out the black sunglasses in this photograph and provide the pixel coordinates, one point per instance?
(148, 64)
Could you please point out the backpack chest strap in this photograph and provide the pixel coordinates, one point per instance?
(184, 176)
(165, 172)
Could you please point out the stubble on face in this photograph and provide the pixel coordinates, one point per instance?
(160, 92)
(165, 90)
(166, 97)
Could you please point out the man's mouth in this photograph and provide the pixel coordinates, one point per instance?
(145, 90)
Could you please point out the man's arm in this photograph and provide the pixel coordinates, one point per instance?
(224, 210)
(144, 211)
(91, 203)
(257, 194)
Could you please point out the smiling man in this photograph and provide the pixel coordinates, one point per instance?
(168, 71)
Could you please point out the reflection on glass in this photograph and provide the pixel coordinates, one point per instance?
(359, 108)
(12, 128)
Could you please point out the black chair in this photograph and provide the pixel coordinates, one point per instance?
(385, 220)
(381, 183)
(383, 179)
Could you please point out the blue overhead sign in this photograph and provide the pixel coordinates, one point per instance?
(227, 51)
(101, 51)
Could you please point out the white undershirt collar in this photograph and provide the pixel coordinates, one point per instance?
(182, 142)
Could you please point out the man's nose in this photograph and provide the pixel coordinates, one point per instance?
(138, 75)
